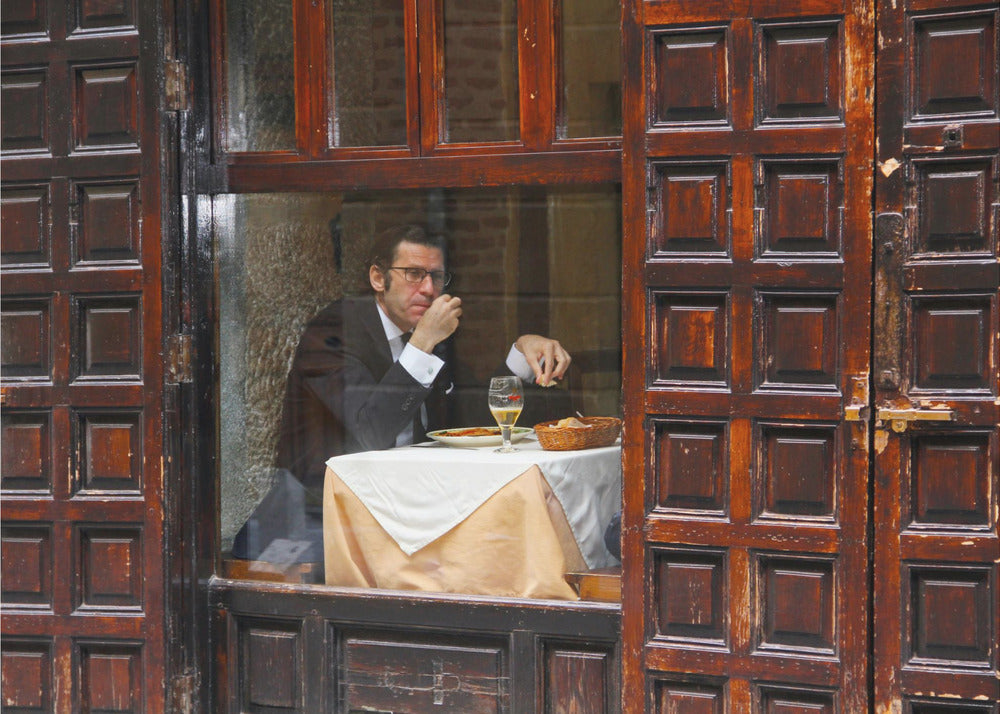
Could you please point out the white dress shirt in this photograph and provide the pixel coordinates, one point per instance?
(424, 367)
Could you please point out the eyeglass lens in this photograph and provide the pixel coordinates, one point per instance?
(417, 275)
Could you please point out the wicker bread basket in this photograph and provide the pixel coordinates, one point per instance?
(601, 431)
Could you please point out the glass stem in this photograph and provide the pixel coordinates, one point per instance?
(505, 433)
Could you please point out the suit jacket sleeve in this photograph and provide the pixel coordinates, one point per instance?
(373, 397)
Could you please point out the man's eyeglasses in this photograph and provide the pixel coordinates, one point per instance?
(416, 275)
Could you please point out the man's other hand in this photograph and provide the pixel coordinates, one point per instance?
(438, 323)
(547, 358)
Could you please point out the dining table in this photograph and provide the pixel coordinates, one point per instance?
(455, 519)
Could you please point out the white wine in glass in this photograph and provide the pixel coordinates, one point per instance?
(506, 401)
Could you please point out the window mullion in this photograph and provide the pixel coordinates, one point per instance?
(535, 70)
(416, 75)
(430, 42)
(311, 111)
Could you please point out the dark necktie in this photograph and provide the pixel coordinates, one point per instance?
(418, 425)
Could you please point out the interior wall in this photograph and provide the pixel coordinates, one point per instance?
(277, 269)
(586, 290)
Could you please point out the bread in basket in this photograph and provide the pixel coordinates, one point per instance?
(586, 433)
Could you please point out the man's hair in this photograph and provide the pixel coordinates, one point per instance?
(387, 242)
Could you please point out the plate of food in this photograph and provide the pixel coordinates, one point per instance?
(477, 435)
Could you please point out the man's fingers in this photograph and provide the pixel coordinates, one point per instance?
(532, 361)
(548, 363)
(557, 361)
(562, 360)
(534, 355)
(546, 357)
(445, 309)
(438, 322)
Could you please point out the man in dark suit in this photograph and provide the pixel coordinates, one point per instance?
(373, 373)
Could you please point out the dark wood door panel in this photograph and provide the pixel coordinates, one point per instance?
(936, 359)
(954, 344)
(749, 242)
(390, 673)
(949, 206)
(310, 651)
(81, 377)
(951, 55)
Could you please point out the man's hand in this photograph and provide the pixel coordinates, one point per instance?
(547, 358)
(438, 323)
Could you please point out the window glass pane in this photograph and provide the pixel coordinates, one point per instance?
(524, 260)
(480, 67)
(590, 60)
(369, 72)
(260, 75)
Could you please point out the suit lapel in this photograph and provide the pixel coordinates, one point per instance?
(372, 346)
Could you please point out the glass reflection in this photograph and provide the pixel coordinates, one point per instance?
(260, 76)
(538, 260)
(480, 71)
(369, 72)
(590, 69)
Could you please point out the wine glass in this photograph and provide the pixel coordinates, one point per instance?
(506, 401)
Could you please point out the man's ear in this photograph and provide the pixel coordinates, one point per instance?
(377, 279)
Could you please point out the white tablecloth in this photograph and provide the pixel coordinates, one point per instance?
(419, 493)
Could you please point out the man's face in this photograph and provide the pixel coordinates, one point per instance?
(405, 302)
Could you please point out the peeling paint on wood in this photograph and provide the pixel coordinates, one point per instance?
(889, 167)
(881, 440)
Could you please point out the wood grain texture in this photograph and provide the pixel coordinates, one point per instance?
(936, 345)
(83, 580)
(746, 146)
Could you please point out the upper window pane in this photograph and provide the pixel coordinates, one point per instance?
(260, 74)
(480, 68)
(590, 62)
(369, 72)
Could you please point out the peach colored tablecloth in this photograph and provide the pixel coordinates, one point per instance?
(517, 543)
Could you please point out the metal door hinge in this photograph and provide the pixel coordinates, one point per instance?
(900, 418)
(178, 359)
(175, 81)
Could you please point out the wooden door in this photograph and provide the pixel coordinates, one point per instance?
(82, 534)
(937, 595)
(746, 188)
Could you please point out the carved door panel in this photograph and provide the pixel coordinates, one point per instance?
(746, 183)
(82, 563)
(937, 596)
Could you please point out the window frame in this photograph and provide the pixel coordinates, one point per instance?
(539, 104)
(540, 158)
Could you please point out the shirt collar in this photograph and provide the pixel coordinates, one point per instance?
(390, 328)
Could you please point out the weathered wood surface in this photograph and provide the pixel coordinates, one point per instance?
(83, 586)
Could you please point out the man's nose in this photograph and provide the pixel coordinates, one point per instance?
(427, 285)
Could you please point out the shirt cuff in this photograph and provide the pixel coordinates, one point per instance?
(517, 363)
(422, 367)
